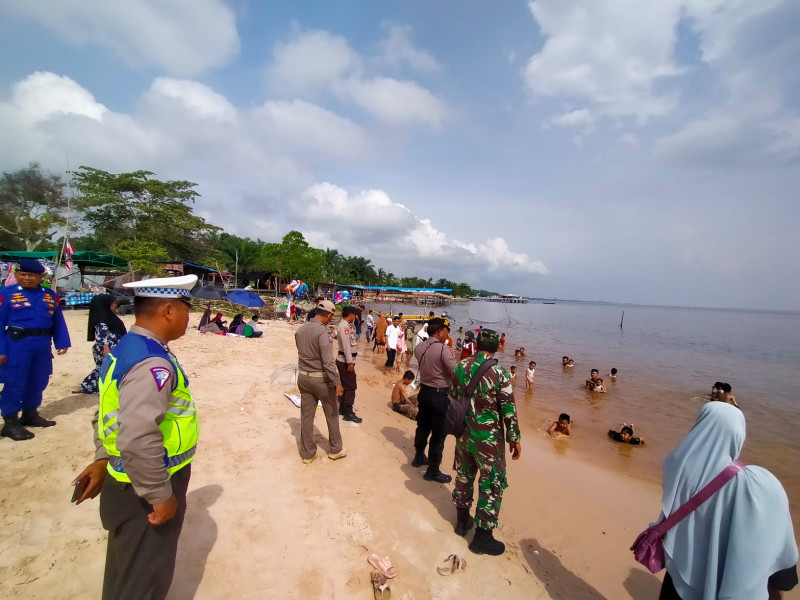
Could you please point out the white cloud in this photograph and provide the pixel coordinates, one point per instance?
(398, 48)
(371, 223)
(631, 140)
(311, 60)
(576, 118)
(610, 53)
(181, 37)
(316, 61)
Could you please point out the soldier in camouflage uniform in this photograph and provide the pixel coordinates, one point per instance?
(480, 450)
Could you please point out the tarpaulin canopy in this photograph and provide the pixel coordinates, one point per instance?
(85, 257)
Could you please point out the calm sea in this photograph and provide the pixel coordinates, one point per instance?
(668, 359)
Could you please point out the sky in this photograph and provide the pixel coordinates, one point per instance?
(625, 151)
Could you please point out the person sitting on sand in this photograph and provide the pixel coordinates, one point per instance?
(402, 401)
(625, 435)
(238, 319)
(530, 375)
(598, 386)
(216, 325)
(590, 383)
(205, 319)
(253, 323)
(513, 373)
(563, 426)
(613, 374)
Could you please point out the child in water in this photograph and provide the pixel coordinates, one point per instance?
(570, 363)
(513, 374)
(563, 426)
(458, 346)
(521, 351)
(613, 374)
(625, 435)
(530, 375)
(598, 385)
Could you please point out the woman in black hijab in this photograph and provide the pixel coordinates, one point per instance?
(237, 320)
(105, 330)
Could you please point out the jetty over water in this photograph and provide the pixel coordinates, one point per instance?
(505, 298)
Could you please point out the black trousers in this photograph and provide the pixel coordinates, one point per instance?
(349, 384)
(390, 354)
(430, 421)
(140, 559)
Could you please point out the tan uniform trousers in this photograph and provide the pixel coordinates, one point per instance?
(311, 390)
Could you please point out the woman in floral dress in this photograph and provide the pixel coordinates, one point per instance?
(105, 330)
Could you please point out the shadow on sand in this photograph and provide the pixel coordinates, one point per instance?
(641, 584)
(198, 536)
(294, 426)
(436, 493)
(69, 404)
(560, 582)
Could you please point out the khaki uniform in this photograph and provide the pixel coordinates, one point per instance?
(346, 336)
(317, 379)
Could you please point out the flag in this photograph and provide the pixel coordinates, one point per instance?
(68, 252)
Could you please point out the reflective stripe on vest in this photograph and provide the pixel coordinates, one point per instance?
(179, 426)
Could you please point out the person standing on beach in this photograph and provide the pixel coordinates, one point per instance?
(318, 380)
(146, 436)
(481, 448)
(30, 323)
(391, 337)
(436, 366)
(346, 363)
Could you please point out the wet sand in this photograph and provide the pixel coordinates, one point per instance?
(261, 524)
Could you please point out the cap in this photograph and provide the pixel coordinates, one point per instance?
(164, 287)
(488, 336)
(326, 305)
(29, 265)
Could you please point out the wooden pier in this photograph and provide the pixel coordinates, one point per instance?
(505, 298)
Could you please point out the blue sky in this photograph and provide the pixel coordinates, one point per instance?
(623, 151)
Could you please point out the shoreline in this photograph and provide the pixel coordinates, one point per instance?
(260, 523)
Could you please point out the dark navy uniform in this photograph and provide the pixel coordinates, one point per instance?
(29, 319)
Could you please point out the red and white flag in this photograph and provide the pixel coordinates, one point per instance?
(68, 252)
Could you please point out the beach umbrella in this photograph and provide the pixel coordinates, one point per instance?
(208, 292)
(244, 298)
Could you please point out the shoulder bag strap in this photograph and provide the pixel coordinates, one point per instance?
(700, 497)
(473, 383)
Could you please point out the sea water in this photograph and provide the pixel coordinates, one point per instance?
(668, 358)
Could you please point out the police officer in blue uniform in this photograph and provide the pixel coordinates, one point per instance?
(29, 319)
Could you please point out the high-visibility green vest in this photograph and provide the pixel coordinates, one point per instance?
(179, 427)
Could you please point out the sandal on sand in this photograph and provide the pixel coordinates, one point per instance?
(451, 565)
(384, 565)
(380, 587)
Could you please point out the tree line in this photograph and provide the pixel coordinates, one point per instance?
(148, 221)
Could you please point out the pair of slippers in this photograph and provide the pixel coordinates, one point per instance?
(384, 571)
(451, 565)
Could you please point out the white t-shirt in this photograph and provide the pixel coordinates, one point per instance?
(370, 321)
(529, 374)
(392, 333)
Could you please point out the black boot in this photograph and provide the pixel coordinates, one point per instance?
(351, 416)
(436, 476)
(463, 522)
(420, 460)
(14, 430)
(484, 543)
(32, 418)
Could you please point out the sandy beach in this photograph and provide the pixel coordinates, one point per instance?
(260, 524)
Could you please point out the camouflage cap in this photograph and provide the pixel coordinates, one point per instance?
(488, 336)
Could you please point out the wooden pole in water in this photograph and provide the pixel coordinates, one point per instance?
(622, 319)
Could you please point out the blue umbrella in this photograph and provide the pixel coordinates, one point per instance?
(244, 298)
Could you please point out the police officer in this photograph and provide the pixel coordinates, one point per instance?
(318, 381)
(481, 448)
(146, 437)
(29, 319)
(346, 363)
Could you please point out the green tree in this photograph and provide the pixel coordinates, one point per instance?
(32, 205)
(133, 207)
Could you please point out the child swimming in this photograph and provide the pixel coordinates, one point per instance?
(530, 375)
(625, 435)
(613, 374)
(598, 385)
(563, 426)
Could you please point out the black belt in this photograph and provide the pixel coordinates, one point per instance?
(17, 333)
(435, 389)
(354, 354)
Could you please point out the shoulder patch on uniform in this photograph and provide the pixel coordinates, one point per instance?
(347, 331)
(161, 375)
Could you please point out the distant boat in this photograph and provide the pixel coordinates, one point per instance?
(548, 302)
